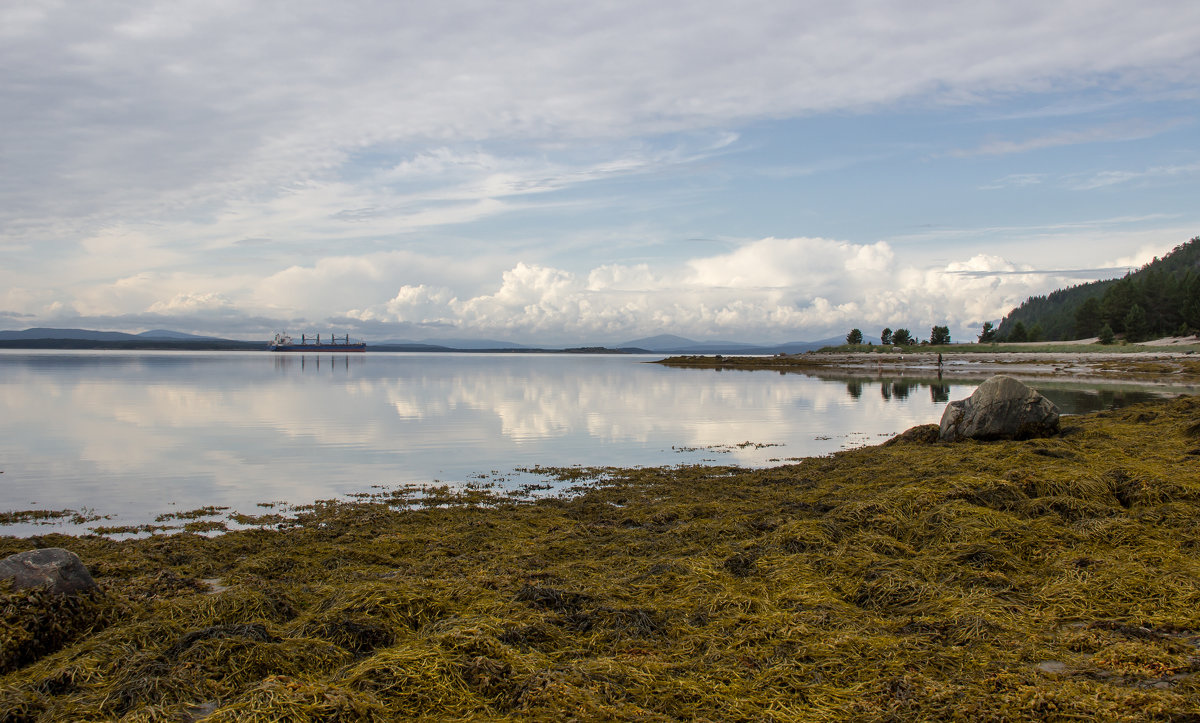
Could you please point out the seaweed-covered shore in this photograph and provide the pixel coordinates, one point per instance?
(1051, 579)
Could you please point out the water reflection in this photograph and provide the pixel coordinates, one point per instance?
(136, 434)
(288, 362)
(1070, 397)
(939, 393)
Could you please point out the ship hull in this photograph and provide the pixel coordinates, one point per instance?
(319, 347)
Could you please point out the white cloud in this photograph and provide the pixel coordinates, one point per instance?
(191, 303)
(1144, 254)
(363, 148)
(1106, 179)
(776, 289)
(1015, 180)
(134, 110)
(1106, 134)
(420, 304)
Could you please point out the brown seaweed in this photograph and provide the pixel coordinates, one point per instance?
(1051, 579)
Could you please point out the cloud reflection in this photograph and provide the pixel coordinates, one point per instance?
(139, 434)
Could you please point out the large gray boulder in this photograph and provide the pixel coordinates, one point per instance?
(58, 570)
(1000, 408)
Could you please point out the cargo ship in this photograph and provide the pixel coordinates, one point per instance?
(284, 342)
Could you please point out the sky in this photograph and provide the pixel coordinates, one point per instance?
(585, 173)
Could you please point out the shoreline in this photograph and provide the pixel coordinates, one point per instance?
(217, 517)
(1158, 368)
(909, 580)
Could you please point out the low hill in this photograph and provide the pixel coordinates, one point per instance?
(80, 334)
(1160, 299)
(177, 335)
(50, 338)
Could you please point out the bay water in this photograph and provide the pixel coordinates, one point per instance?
(130, 436)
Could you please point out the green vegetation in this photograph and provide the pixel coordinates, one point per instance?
(855, 337)
(48, 516)
(1160, 299)
(1053, 579)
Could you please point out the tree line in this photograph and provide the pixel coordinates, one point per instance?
(1160, 299)
(901, 337)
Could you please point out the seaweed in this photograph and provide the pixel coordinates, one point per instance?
(1049, 579)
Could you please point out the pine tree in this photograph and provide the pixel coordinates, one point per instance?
(1136, 325)
(1087, 318)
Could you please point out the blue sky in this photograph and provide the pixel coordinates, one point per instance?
(550, 173)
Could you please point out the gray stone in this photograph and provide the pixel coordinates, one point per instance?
(60, 571)
(1000, 408)
(1052, 667)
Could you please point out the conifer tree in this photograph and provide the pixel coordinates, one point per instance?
(1136, 325)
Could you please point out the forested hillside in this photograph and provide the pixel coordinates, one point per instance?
(1160, 299)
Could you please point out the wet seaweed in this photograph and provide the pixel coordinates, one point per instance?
(1049, 579)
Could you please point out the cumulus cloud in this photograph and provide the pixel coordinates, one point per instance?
(776, 289)
(453, 165)
(191, 303)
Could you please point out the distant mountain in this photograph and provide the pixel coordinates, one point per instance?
(178, 335)
(90, 335)
(662, 342)
(671, 344)
(81, 334)
(799, 347)
(47, 338)
(395, 345)
(472, 344)
(167, 339)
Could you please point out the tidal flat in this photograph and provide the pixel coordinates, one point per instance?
(1048, 579)
(1162, 365)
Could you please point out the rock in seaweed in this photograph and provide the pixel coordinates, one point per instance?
(59, 571)
(920, 434)
(1000, 408)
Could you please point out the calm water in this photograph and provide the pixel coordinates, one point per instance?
(134, 435)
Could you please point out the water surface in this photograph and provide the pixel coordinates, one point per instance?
(136, 434)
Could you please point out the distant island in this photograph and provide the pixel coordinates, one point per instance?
(166, 340)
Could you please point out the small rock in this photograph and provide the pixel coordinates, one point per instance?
(60, 571)
(1000, 408)
(1051, 667)
(920, 434)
